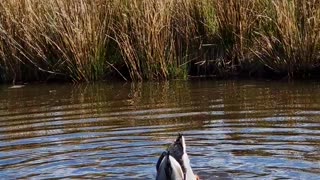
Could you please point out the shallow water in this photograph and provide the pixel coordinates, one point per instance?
(233, 129)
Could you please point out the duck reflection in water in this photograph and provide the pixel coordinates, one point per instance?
(174, 164)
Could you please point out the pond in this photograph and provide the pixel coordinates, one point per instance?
(233, 129)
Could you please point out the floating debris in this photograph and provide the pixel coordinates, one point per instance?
(16, 86)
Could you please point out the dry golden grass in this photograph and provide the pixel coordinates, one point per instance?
(87, 40)
(53, 36)
(236, 22)
(290, 42)
(152, 36)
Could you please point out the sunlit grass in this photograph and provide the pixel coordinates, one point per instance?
(89, 40)
(290, 39)
(66, 38)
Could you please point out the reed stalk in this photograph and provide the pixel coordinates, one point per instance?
(290, 40)
(54, 37)
(88, 40)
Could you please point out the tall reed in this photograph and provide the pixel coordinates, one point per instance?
(290, 41)
(154, 37)
(88, 40)
(230, 27)
(54, 37)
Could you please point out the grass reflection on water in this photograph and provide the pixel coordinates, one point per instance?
(243, 129)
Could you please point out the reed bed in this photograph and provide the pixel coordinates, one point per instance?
(289, 41)
(154, 37)
(54, 38)
(88, 40)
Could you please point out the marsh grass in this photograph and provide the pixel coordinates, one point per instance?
(154, 37)
(230, 27)
(290, 40)
(88, 40)
(54, 37)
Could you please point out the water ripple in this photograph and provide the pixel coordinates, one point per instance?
(234, 130)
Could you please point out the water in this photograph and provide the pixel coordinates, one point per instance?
(233, 129)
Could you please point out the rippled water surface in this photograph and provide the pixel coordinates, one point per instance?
(233, 129)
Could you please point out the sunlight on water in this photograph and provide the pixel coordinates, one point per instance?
(234, 130)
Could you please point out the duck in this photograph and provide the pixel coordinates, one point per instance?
(174, 163)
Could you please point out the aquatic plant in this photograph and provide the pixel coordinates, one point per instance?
(89, 40)
(154, 37)
(289, 42)
(54, 37)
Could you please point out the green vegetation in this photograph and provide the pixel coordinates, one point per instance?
(88, 40)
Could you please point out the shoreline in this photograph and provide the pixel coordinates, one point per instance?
(87, 41)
